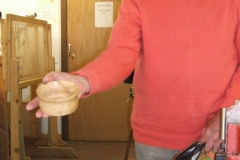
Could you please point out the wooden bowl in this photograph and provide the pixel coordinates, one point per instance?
(58, 98)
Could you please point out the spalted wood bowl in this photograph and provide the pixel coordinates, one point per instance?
(58, 98)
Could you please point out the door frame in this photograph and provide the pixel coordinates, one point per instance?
(64, 60)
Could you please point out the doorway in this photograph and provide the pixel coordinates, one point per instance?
(104, 116)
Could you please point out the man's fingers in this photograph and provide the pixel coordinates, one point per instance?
(33, 104)
(48, 77)
(211, 137)
(209, 146)
(45, 115)
(39, 114)
(213, 145)
(217, 146)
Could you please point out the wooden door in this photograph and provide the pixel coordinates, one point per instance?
(104, 116)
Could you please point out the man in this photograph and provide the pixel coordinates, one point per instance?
(185, 55)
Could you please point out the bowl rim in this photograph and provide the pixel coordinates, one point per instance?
(72, 96)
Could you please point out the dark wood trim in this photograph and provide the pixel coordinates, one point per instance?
(64, 57)
(64, 60)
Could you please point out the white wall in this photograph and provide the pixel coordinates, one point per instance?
(48, 10)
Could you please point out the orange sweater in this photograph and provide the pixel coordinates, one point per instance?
(185, 55)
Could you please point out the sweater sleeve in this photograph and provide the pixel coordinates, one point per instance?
(124, 48)
(233, 92)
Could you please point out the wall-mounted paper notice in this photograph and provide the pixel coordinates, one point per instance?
(103, 14)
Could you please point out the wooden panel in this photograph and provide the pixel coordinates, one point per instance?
(64, 59)
(86, 40)
(104, 116)
(64, 55)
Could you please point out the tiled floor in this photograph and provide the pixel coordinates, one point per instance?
(94, 150)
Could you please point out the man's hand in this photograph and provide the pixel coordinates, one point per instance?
(211, 134)
(81, 81)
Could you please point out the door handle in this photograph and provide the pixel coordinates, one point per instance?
(69, 52)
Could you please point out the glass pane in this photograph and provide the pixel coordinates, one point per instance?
(28, 47)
